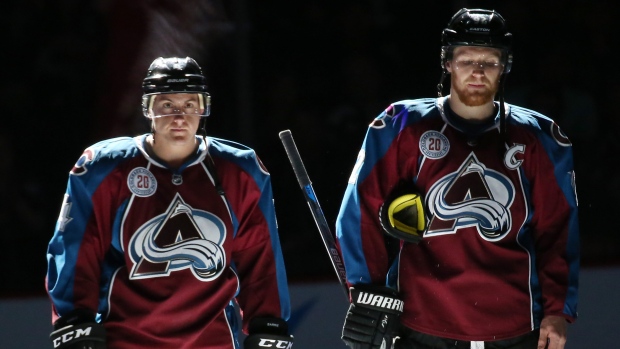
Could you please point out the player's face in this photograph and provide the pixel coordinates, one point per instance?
(179, 116)
(475, 73)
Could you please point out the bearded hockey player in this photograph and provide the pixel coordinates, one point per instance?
(478, 201)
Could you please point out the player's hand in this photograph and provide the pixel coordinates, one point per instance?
(552, 333)
(373, 319)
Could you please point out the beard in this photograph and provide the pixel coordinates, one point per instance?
(478, 97)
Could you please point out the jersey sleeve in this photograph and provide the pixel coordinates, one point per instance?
(257, 255)
(77, 248)
(375, 174)
(555, 222)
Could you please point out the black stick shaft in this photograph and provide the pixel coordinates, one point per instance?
(317, 213)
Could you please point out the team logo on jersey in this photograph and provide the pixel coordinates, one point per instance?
(559, 136)
(510, 158)
(180, 238)
(80, 166)
(473, 196)
(434, 145)
(378, 123)
(141, 182)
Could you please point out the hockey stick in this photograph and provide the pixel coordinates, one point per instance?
(317, 213)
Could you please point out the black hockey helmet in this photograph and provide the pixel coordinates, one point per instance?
(477, 27)
(174, 75)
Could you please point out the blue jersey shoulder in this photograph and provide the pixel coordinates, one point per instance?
(240, 154)
(411, 108)
(114, 148)
(401, 114)
(232, 148)
(527, 117)
(105, 154)
(541, 125)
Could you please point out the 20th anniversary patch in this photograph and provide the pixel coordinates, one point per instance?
(141, 182)
(434, 145)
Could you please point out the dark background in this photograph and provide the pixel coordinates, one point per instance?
(72, 71)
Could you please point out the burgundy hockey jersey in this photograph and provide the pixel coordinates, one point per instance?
(161, 255)
(501, 249)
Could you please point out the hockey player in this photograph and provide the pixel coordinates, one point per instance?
(481, 197)
(160, 235)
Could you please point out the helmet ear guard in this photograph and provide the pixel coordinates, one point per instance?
(508, 64)
(443, 59)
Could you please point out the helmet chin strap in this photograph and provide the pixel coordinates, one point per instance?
(503, 129)
(440, 84)
(203, 128)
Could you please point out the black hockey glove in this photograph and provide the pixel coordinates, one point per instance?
(372, 321)
(268, 332)
(78, 330)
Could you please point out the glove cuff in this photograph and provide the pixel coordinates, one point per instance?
(70, 335)
(268, 332)
(383, 299)
(267, 324)
(267, 340)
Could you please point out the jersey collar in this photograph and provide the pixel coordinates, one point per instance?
(469, 128)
